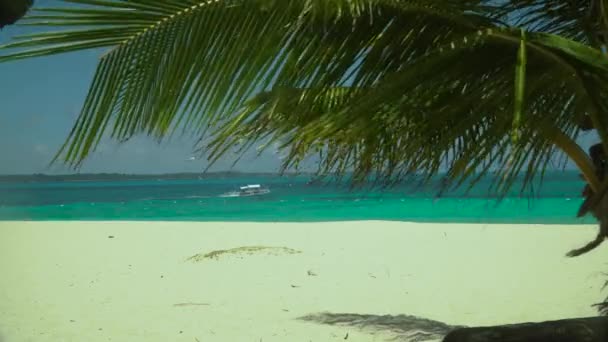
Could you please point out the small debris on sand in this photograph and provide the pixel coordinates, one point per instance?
(191, 304)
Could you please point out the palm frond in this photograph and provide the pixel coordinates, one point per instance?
(385, 87)
(417, 119)
(184, 63)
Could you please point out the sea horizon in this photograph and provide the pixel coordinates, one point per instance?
(292, 198)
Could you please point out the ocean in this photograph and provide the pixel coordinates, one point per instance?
(292, 199)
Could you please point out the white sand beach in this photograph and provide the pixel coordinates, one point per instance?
(355, 281)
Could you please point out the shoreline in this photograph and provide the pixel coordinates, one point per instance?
(193, 221)
(278, 281)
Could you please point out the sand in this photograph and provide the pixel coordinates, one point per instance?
(356, 281)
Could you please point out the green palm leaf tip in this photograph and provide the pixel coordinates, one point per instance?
(13, 10)
(581, 20)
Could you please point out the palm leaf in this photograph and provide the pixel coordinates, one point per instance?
(384, 87)
(418, 120)
(580, 20)
(161, 73)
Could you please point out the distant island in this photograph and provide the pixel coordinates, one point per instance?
(82, 177)
(555, 175)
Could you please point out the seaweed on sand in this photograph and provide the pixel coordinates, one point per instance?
(249, 250)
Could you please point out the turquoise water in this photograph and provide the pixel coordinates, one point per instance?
(291, 199)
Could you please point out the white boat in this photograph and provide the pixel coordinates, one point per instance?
(248, 190)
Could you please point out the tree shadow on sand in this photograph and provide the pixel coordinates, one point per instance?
(402, 327)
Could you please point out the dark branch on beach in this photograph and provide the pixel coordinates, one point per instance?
(592, 329)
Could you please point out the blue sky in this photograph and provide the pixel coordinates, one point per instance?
(40, 99)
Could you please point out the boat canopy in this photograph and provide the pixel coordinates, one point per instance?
(251, 186)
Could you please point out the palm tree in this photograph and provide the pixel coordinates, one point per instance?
(390, 88)
(13, 10)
